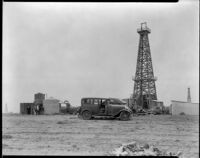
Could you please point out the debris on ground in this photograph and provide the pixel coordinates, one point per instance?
(7, 136)
(182, 113)
(134, 149)
(63, 122)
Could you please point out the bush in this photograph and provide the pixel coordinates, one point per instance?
(7, 136)
(62, 122)
(182, 113)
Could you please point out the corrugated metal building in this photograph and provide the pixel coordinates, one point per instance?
(38, 98)
(51, 106)
(178, 107)
(38, 101)
(26, 108)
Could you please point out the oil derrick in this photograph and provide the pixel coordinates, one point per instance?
(144, 80)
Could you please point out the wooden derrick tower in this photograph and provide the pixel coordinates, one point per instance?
(144, 80)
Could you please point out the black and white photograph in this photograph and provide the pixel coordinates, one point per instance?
(100, 79)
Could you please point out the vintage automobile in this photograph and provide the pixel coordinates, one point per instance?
(110, 107)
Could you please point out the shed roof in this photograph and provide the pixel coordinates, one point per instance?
(51, 98)
(182, 102)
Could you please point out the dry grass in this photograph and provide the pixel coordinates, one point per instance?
(69, 135)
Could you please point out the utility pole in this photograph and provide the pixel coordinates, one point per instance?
(188, 96)
(6, 108)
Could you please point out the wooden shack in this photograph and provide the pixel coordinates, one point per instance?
(27, 108)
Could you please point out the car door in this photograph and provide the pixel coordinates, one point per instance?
(108, 107)
(95, 107)
(102, 107)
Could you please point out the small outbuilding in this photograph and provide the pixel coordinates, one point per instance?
(26, 108)
(51, 106)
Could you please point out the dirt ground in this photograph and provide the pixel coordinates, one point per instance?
(69, 135)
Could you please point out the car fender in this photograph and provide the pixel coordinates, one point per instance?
(118, 113)
(85, 110)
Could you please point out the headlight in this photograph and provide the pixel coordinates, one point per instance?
(126, 107)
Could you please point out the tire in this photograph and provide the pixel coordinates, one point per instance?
(86, 115)
(124, 116)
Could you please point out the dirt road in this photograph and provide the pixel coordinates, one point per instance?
(69, 135)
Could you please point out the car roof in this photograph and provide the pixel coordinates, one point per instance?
(93, 98)
(99, 98)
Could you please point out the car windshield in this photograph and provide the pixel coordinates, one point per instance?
(116, 101)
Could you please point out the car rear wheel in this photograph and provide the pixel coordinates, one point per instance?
(86, 115)
(124, 116)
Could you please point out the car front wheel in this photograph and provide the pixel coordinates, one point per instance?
(86, 115)
(124, 116)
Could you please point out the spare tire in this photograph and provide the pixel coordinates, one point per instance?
(124, 115)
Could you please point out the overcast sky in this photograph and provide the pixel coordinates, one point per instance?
(75, 50)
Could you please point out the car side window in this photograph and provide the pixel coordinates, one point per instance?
(110, 101)
(84, 101)
(91, 101)
(87, 101)
(103, 102)
(96, 101)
